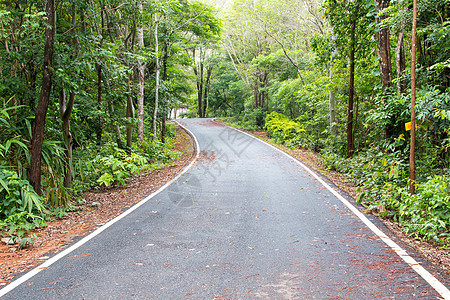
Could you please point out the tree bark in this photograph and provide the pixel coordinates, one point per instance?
(130, 115)
(331, 94)
(200, 92)
(199, 76)
(158, 69)
(167, 104)
(412, 155)
(208, 83)
(401, 64)
(44, 98)
(99, 82)
(350, 141)
(130, 105)
(383, 47)
(141, 74)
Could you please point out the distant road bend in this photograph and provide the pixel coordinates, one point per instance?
(246, 221)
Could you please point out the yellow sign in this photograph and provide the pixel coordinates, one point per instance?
(408, 126)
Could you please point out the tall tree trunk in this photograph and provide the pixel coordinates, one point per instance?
(401, 64)
(167, 104)
(207, 86)
(383, 47)
(199, 76)
(412, 155)
(99, 129)
(200, 92)
(331, 94)
(141, 74)
(130, 105)
(158, 69)
(44, 98)
(351, 92)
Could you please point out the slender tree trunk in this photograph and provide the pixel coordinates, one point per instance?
(130, 115)
(412, 159)
(401, 64)
(158, 69)
(44, 98)
(141, 74)
(199, 76)
(350, 141)
(167, 104)
(207, 86)
(256, 93)
(331, 94)
(99, 129)
(66, 112)
(200, 92)
(383, 47)
(99, 81)
(130, 105)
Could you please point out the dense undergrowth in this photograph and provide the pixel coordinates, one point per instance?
(94, 166)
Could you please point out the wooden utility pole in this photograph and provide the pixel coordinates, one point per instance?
(412, 167)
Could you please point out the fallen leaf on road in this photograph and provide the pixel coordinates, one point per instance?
(190, 294)
(47, 288)
(81, 255)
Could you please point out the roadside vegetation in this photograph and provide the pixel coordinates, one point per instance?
(86, 88)
(335, 78)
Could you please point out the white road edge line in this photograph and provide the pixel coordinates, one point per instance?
(427, 276)
(81, 242)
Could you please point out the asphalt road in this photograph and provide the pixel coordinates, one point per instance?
(245, 222)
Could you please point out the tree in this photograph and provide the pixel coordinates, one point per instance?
(141, 81)
(383, 47)
(350, 16)
(158, 70)
(42, 107)
(412, 167)
(204, 30)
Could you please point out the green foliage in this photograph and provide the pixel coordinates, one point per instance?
(18, 225)
(17, 195)
(381, 176)
(111, 165)
(282, 129)
(253, 120)
(423, 215)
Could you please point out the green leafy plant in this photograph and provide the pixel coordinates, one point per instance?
(283, 129)
(18, 225)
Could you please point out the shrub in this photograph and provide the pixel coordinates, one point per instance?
(283, 129)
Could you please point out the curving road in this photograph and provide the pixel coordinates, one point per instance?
(245, 222)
